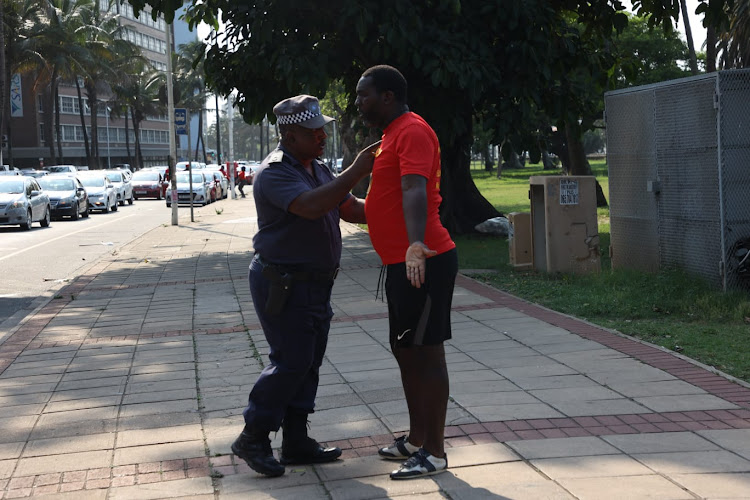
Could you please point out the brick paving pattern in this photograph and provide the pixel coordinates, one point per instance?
(130, 384)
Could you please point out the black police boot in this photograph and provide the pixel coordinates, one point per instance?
(254, 447)
(298, 448)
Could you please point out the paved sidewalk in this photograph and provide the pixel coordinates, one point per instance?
(130, 385)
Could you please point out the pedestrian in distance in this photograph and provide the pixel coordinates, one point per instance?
(297, 253)
(241, 181)
(420, 262)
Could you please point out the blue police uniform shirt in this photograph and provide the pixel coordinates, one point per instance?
(283, 237)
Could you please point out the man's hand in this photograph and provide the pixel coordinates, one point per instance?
(416, 255)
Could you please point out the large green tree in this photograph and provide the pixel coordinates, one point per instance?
(508, 60)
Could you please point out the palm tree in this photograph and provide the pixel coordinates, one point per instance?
(18, 19)
(110, 57)
(735, 42)
(56, 42)
(140, 92)
(689, 37)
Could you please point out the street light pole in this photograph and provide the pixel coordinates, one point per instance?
(109, 163)
(172, 143)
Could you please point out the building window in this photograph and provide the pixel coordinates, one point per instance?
(41, 134)
(40, 103)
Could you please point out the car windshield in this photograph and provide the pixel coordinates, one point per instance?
(183, 178)
(146, 176)
(58, 169)
(57, 184)
(11, 186)
(93, 181)
(114, 176)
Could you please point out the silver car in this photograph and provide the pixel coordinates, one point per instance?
(200, 189)
(123, 186)
(101, 191)
(22, 202)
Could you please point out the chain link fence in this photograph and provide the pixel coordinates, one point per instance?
(679, 176)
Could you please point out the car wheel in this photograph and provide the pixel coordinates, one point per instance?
(121, 203)
(130, 201)
(115, 207)
(75, 215)
(169, 205)
(158, 195)
(45, 222)
(27, 224)
(87, 212)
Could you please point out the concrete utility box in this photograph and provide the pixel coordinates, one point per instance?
(564, 229)
(519, 242)
(679, 176)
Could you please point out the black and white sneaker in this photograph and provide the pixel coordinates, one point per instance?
(401, 449)
(420, 464)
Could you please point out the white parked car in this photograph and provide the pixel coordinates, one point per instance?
(23, 202)
(123, 186)
(101, 191)
(62, 169)
(201, 188)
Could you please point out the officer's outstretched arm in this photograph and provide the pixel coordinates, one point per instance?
(353, 210)
(317, 202)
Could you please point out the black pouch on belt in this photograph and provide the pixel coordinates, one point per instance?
(279, 291)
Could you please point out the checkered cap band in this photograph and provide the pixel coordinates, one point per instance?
(297, 117)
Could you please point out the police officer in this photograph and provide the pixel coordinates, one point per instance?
(297, 253)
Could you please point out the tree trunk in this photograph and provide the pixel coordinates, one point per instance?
(49, 118)
(83, 124)
(3, 81)
(578, 163)
(489, 163)
(198, 137)
(136, 131)
(689, 37)
(711, 41)
(58, 130)
(6, 113)
(463, 206)
(127, 136)
(92, 93)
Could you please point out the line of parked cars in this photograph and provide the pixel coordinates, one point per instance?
(62, 191)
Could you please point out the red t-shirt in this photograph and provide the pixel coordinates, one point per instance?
(409, 146)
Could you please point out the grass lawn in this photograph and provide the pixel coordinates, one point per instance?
(670, 309)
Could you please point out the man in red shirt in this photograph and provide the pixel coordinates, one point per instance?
(421, 263)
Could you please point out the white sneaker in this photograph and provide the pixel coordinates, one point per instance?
(401, 449)
(420, 464)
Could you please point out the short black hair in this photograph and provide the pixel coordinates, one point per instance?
(385, 78)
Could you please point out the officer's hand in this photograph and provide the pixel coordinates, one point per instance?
(416, 255)
(364, 160)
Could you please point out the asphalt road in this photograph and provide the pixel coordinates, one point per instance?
(35, 264)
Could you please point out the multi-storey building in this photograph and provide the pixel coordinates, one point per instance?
(27, 140)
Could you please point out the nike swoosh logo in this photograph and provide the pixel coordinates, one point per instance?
(402, 335)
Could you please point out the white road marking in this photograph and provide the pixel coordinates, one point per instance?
(47, 242)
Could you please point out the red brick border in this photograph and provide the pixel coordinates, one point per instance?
(455, 436)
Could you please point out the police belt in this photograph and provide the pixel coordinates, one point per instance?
(278, 271)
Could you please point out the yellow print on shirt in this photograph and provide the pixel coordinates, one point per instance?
(437, 182)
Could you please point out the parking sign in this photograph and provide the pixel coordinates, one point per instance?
(180, 121)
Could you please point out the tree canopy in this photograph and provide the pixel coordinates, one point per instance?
(508, 61)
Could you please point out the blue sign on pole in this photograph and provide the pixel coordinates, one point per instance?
(180, 121)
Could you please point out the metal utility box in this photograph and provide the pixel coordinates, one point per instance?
(564, 229)
(678, 154)
(519, 241)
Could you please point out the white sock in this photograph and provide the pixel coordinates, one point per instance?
(410, 447)
(438, 463)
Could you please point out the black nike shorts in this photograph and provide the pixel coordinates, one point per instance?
(421, 316)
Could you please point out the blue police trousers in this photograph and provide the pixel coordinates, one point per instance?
(297, 339)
